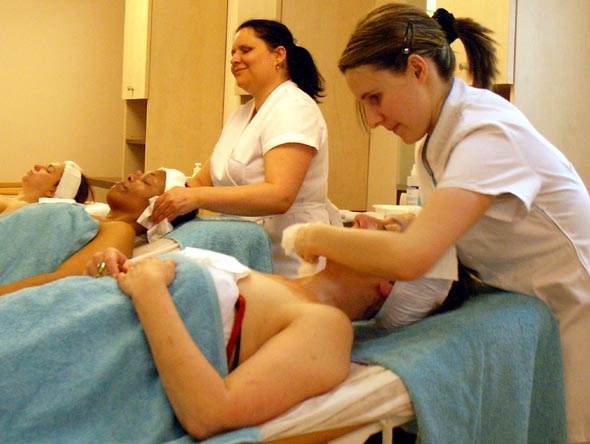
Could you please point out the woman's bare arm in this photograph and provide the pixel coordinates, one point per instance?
(285, 169)
(398, 256)
(308, 355)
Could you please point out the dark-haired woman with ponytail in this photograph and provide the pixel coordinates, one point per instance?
(508, 200)
(271, 161)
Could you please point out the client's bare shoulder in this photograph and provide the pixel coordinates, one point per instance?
(274, 303)
(115, 234)
(8, 204)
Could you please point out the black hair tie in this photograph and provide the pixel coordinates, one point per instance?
(446, 20)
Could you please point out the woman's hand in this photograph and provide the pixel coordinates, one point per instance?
(303, 243)
(142, 276)
(109, 262)
(173, 203)
(397, 223)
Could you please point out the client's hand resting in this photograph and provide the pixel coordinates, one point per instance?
(109, 262)
(145, 275)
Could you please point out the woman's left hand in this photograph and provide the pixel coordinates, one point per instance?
(109, 262)
(173, 203)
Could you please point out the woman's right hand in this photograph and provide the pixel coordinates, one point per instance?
(173, 203)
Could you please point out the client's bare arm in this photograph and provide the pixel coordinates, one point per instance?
(292, 349)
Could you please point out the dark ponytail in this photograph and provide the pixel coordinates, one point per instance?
(302, 68)
(304, 72)
(388, 34)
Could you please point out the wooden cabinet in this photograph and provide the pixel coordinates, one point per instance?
(172, 82)
(136, 49)
(185, 104)
(135, 84)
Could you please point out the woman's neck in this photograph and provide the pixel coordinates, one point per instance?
(28, 196)
(263, 94)
(442, 90)
(355, 294)
(121, 216)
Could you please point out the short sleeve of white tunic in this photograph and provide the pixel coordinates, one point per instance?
(288, 115)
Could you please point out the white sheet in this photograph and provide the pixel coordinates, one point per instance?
(369, 394)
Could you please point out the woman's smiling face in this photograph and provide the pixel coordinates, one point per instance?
(253, 64)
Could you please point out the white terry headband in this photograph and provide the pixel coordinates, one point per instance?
(174, 178)
(70, 181)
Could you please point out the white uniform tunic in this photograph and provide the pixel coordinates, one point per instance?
(288, 115)
(535, 238)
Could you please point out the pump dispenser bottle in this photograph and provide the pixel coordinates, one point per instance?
(413, 188)
(197, 168)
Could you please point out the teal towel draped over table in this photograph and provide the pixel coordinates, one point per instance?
(487, 373)
(247, 241)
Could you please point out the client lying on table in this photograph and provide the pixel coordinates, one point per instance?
(289, 348)
(65, 237)
(57, 180)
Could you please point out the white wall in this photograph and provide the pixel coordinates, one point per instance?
(60, 84)
(552, 74)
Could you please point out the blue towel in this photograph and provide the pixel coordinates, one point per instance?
(247, 241)
(487, 373)
(38, 238)
(75, 366)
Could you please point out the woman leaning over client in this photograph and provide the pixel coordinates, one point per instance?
(510, 201)
(271, 160)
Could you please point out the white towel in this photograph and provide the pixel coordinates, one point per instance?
(55, 200)
(174, 178)
(154, 231)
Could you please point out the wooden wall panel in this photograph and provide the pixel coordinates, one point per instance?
(185, 107)
(323, 27)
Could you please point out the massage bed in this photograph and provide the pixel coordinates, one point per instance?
(488, 372)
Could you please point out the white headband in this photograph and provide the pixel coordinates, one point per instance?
(70, 181)
(174, 178)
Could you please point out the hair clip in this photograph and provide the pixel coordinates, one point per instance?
(408, 38)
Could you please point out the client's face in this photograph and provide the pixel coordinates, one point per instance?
(43, 178)
(133, 193)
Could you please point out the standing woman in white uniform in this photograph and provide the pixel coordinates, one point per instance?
(513, 205)
(271, 161)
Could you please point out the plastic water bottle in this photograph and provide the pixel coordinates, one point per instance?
(413, 189)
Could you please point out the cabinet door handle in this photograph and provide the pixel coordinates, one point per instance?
(130, 88)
